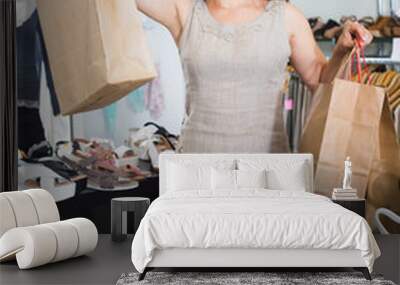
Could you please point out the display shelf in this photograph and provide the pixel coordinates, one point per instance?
(378, 52)
(380, 60)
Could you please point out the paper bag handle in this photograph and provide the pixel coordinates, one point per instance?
(357, 56)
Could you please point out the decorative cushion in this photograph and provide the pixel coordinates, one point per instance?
(255, 179)
(223, 179)
(293, 180)
(183, 178)
(281, 175)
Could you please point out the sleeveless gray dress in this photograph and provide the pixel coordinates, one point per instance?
(234, 75)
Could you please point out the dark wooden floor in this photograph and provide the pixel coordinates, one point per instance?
(103, 266)
(110, 260)
(389, 263)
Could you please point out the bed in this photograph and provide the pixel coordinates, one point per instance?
(247, 211)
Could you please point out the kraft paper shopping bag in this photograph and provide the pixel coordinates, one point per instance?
(343, 121)
(384, 180)
(97, 51)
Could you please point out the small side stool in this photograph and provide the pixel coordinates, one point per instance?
(119, 209)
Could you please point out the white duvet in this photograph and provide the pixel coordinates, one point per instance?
(250, 219)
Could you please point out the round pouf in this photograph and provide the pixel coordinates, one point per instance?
(119, 209)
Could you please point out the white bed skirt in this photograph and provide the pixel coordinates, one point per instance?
(177, 257)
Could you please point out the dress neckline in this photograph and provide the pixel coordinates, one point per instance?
(239, 25)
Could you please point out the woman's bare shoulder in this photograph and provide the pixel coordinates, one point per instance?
(294, 18)
(184, 8)
(185, 4)
(293, 12)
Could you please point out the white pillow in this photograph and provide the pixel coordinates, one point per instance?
(293, 180)
(223, 179)
(251, 179)
(290, 175)
(182, 178)
(186, 175)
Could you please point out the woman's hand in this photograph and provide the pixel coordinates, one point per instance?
(353, 31)
(308, 59)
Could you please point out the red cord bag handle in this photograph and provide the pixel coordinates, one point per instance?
(359, 54)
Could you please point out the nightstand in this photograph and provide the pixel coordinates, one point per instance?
(356, 206)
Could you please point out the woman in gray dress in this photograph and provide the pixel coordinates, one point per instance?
(234, 54)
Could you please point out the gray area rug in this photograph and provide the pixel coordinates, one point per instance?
(268, 278)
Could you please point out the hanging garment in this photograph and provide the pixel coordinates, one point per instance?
(31, 53)
(136, 100)
(30, 57)
(154, 98)
(234, 75)
(110, 117)
(298, 98)
(25, 9)
(29, 60)
(49, 78)
(390, 80)
(30, 129)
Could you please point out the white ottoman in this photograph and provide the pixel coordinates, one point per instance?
(31, 232)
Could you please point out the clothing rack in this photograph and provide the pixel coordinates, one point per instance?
(393, 63)
(295, 116)
(379, 52)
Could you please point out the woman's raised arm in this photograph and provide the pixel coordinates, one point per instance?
(307, 58)
(170, 13)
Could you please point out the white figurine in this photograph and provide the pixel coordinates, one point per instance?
(347, 174)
